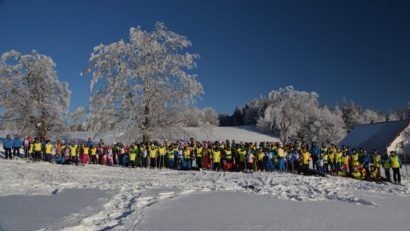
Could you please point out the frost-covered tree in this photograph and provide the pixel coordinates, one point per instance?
(354, 114)
(78, 119)
(33, 100)
(287, 111)
(209, 116)
(147, 84)
(324, 126)
(254, 110)
(297, 115)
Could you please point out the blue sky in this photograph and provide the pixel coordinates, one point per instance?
(359, 50)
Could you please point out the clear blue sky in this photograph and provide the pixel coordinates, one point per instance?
(354, 49)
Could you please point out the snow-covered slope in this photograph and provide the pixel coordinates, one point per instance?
(241, 133)
(136, 190)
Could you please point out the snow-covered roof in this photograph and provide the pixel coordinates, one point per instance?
(377, 136)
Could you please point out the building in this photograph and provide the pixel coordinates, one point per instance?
(384, 136)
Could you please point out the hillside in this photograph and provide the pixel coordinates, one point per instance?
(241, 133)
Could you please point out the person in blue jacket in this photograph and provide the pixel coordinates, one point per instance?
(89, 143)
(268, 160)
(7, 145)
(366, 160)
(315, 151)
(16, 145)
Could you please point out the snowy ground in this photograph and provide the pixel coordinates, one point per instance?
(151, 199)
(247, 133)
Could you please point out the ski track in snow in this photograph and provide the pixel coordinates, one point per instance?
(137, 189)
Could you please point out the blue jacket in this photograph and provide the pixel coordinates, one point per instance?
(17, 142)
(89, 143)
(366, 159)
(315, 150)
(8, 143)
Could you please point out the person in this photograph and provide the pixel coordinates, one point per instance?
(49, 148)
(345, 165)
(366, 159)
(192, 158)
(338, 160)
(144, 156)
(292, 159)
(73, 153)
(358, 173)
(7, 145)
(37, 150)
(242, 156)
(86, 150)
(16, 145)
(199, 151)
(315, 151)
(250, 159)
(386, 165)
(282, 156)
(320, 169)
(355, 158)
(305, 158)
(396, 166)
(375, 176)
(261, 156)
(180, 157)
(376, 159)
(90, 143)
(93, 154)
(161, 151)
(216, 158)
(227, 158)
(153, 151)
(326, 161)
(332, 156)
(58, 149)
(81, 151)
(321, 161)
(172, 152)
(133, 155)
(101, 151)
(109, 156)
(268, 160)
(31, 151)
(125, 159)
(26, 144)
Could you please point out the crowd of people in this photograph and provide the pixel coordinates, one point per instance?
(309, 159)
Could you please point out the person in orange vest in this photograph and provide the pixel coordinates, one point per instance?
(396, 166)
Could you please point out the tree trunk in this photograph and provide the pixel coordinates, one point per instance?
(147, 125)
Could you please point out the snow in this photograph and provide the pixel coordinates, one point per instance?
(238, 211)
(242, 133)
(37, 212)
(247, 133)
(142, 196)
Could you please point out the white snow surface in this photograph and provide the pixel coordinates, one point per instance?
(138, 193)
(247, 133)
